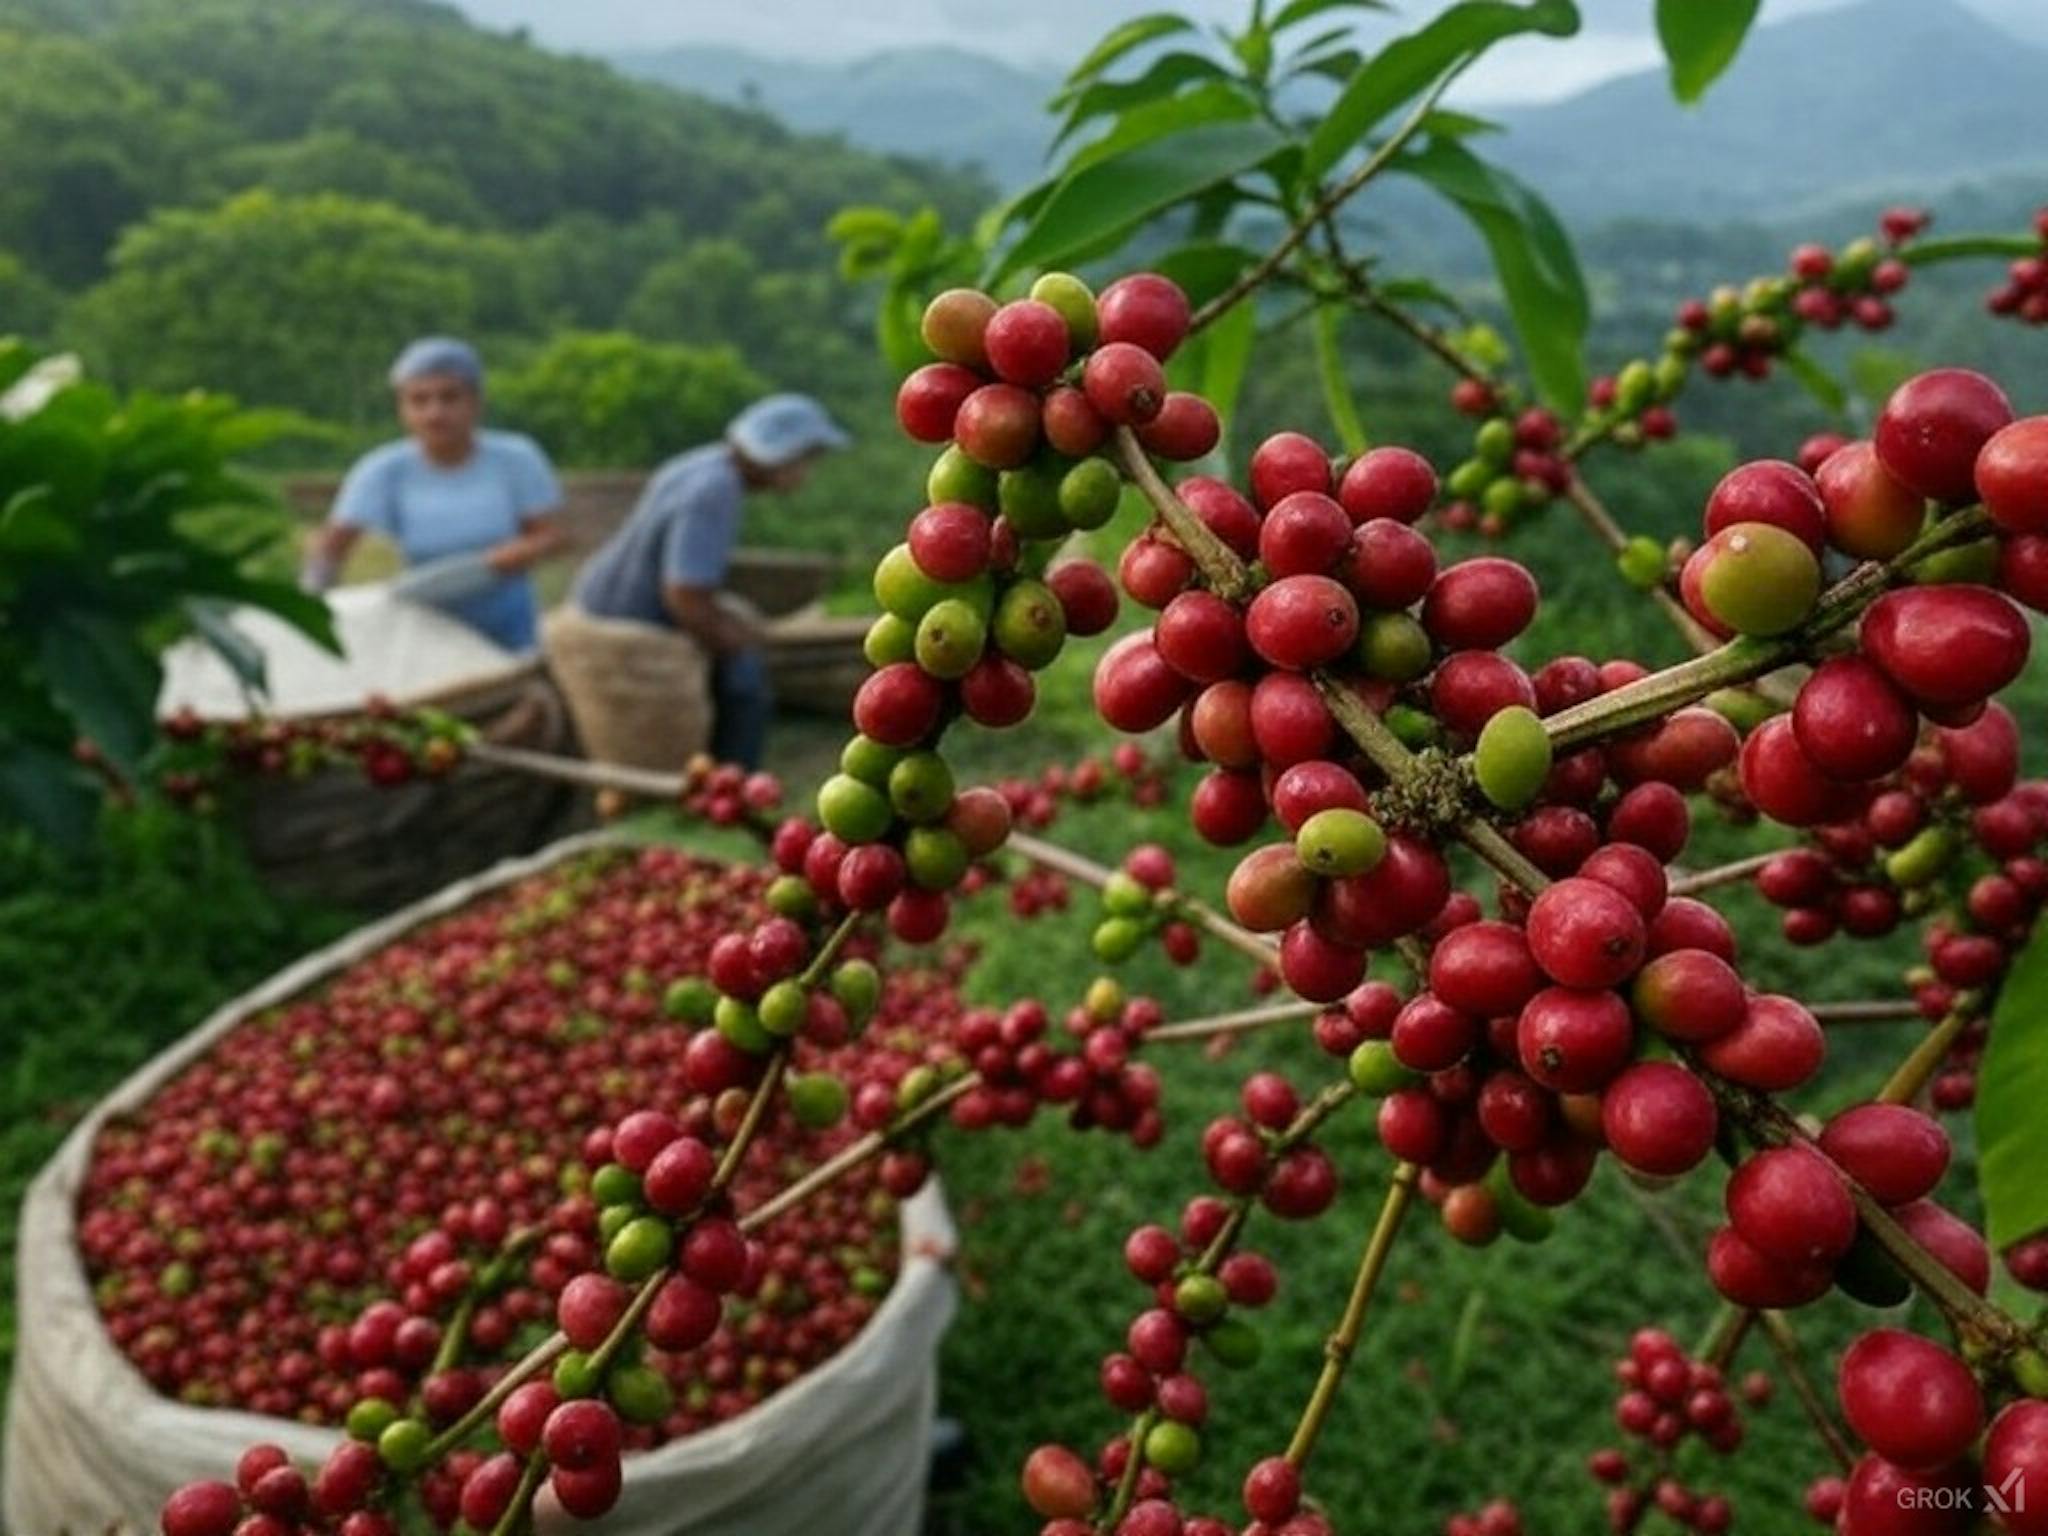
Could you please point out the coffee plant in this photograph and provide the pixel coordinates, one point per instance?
(1505, 833)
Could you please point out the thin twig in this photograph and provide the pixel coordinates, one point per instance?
(1722, 874)
(1785, 1344)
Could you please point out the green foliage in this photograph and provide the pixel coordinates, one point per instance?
(110, 535)
(28, 304)
(611, 398)
(1701, 38)
(2012, 1085)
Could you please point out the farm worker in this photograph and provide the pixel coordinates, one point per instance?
(647, 613)
(472, 510)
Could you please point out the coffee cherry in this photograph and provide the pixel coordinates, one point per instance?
(1300, 622)
(1484, 969)
(1144, 310)
(950, 542)
(202, 1509)
(1186, 428)
(1690, 995)
(1304, 534)
(1272, 1490)
(2011, 476)
(1135, 690)
(581, 1434)
(929, 401)
(1750, 1278)
(1430, 1035)
(1394, 483)
(1318, 968)
(1851, 723)
(1895, 1152)
(2016, 1456)
(1202, 637)
(1026, 342)
(1946, 646)
(1658, 1118)
(1769, 491)
(1470, 687)
(1480, 605)
(1340, 841)
(997, 426)
(1285, 463)
(1886, 1499)
(1124, 383)
(588, 1493)
(1784, 783)
(1087, 596)
(1870, 514)
(1910, 1400)
(1574, 1041)
(1933, 426)
(1758, 579)
(1585, 934)
(1957, 1245)
(1513, 758)
(1792, 1207)
(1058, 1484)
(1391, 565)
(954, 324)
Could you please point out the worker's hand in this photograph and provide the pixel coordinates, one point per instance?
(509, 558)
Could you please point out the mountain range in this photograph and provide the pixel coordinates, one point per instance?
(1883, 97)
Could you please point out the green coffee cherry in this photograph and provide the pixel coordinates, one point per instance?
(950, 638)
(615, 1184)
(1174, 1448)
(935, 858)
(1671, 374)
(1469, 479)
(858, 987)
(888, 641)
(1089, 493)
(918, 1084)
(1104, 999)
(403, 1445)
(1743, 708)
(1030, 498)
(641, 1247)
(611, 1221)
(1925, 856)
(1393, 647)
(1123, 896)
(1117, 939)
(1413, 728)
(1520, 1217)
(691, 999)
(2030, 1371)
(1030, 625)
(1976, 561)
(868, 760)
(902, 589)
(956, 477)
(1495, 441)
(1075, 303)
(1339, 841)
(852, 811)
(1376, 1071)
(783, 1007)
(1634, 387)
(817, 1099)
(369, 1418)
(1759, 579)
(640, 1393)
(742, 1026)
(1234, 1343)
(1642, 563)
(575, 1376)
(791, 896)
(1513, 757)
(1505, 497)
(1201, 1298)
(921, 787)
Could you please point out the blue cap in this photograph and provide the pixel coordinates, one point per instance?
(781, 429)
(432, 356)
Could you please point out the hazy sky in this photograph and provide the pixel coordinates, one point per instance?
(1044, 33)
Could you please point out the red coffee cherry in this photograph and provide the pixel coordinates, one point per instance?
(1633, 871)
(1228, 808)
(1870, 514)
(1300, 622)
(202, 1509)
(1070, 423)
(2016, 1456)
(1777, 1046)
(928, 401)
(997, 426)
(1750, 1278)
(1305, 533)
(1202, 637)
(1395, 483)
(1430, 1035)
(1058, 1485)
(1225, 513)
(1391, 565)
(1480, 605)
(1792, 1207)
(1885, 1499)
(1135, 689)
(1586, 934)
(2011, 476)
(1289, 720)
(1574, 1041)
(1285, 463)
(1026, 342)
(1399, 895)
(1785, 784)
(1895, 1152)
(1933, 426)
(1186, 428)
(1555, 1173)
(1959, 1246)
(1946, 646)
(1308, 787)
(1272, 1490)
(1317, 968)
(1484, 969)
(1413, 1125)
(1469, 688)
(1690, 995)
(1145, 310)
(1124, 383)
(1769, 491)
(898, 705)
(1652, 816)
(1910, 1400)
(997, 693)
(950, 542)
(1683, 750)
(1514, 1112)
(1983, 757)
(1086, 594)
(1658, 1118)
(1851, 723)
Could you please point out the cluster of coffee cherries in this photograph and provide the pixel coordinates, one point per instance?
(389, 746)
(1517, 465)
(1138, 904)
(1742, 331)
(1099, 1081)
(2024, 294)
(725, 794)
(1666, 1398)
(1932, 1467)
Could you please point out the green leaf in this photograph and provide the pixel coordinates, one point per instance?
(1213, 362)
(1219, 102)
(1339, 65)
(1116, 195)
(1167, 74)
(1539, 272)
(1409, 65)
(2012, 1085)
(1444, 124)
(1134, 33)
(47, 792)
(1419, 290)
(1296, 11)
(897, 326)
(1701, 38)
(241, 655)
(1329, 319)
(1204, 268)
(1818, 382)
(101, 675)
(31, 527)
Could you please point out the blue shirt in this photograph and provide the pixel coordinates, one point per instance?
(430, 511)
(681, 534)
